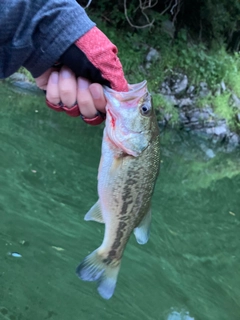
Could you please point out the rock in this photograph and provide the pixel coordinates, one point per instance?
(192, 114)
(194, 119)
(164, 89)
(209, 110)
(210, 154)
(185, 102)
(209, 123)
(236, 100)
(180, 84)
(218, 131)
(171, 99)
(199, 120)
(204, 91)
(152, 55)
(190, 89)
(223, 86)
(182, 118)
(205, 116)
(17, 76)
(201, 115)
(148, 65)
(234, 139)
(238, 117)
(24, 86)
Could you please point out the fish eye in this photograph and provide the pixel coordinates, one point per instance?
(146, 109)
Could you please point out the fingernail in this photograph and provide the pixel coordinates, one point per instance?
(82, 83)
(96, 94)
(66, 74)
(54, 77)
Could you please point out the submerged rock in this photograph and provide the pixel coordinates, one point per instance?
(174, 315)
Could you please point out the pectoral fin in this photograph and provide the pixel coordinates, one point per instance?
(143, 229)
(95, 213)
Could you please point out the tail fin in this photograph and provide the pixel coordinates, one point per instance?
(93, 268)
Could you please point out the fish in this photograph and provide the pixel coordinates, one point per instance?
(128, 169)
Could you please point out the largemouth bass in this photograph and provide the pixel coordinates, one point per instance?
(126, 177)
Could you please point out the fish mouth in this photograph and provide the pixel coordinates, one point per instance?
(134, 91)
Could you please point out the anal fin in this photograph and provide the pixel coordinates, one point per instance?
(143, 229)
(95, 213)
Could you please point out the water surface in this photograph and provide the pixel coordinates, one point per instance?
(48, 170)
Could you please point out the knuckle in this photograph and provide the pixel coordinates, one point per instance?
(84, 102)
(52, 97)
(66, 92)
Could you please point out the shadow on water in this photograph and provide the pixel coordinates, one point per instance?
(48, 169)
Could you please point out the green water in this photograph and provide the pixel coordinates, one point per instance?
(48, 170)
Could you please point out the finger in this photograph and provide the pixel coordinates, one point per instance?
(99, 99)
(42, 80)
(52, 94)
(85, 100)
(67, 87)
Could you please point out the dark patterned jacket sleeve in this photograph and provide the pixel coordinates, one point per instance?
(34, 34)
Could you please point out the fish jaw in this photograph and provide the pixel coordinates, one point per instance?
(130, 143)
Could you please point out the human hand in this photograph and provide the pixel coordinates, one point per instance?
(63, 88)
(92, 57)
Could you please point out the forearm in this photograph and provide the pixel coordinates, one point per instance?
(36, 33)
